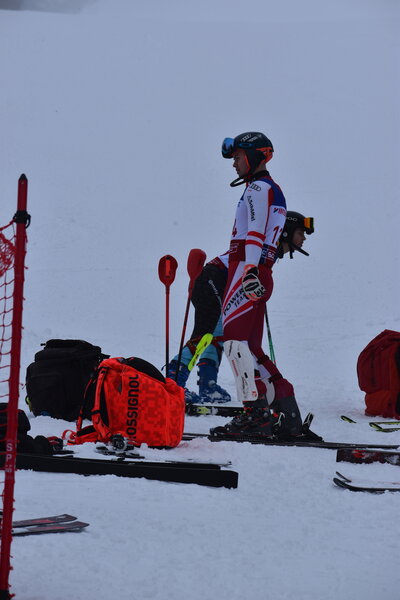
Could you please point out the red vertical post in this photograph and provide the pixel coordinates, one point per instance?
(21, 218)
(166, 271)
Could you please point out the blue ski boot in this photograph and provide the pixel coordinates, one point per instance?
(209, 391)
(183, 374)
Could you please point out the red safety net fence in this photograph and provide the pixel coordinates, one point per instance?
(12, 266)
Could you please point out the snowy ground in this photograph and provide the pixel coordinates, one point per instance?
(116, 111)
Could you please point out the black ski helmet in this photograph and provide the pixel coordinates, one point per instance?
(294, 220)
(255, 144)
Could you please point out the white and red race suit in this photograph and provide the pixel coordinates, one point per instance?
(260, 218)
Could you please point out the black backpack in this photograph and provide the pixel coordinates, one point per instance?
(56, 381)
(23, 425)
(25, 442)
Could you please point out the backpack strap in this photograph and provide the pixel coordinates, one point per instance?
(86, 434)
(98, 429)
(97, 421)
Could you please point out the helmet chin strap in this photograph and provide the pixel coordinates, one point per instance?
(238, 181)
(293, 247)
(249, 177)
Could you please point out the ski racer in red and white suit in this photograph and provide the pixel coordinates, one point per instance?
(260, 219)
(259, 222)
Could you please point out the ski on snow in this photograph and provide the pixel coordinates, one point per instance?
(300, 441)
(361, 485)
(186, 464)
(195, 410)
(53, 524)
(54, 527)
(44, 521)
(377, 425)
(203, 474)
(360, 456)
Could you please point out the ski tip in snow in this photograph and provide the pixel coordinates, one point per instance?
(356, 485)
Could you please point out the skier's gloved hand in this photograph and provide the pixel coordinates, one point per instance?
(252, 286)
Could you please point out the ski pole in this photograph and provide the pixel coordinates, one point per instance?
(166, 271)
(271, 346)
(195, 263)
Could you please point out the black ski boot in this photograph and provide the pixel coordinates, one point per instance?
(256, 423)
(285, 403)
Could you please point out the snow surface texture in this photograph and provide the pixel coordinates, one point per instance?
(116, 112)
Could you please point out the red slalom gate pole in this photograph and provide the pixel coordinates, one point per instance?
(22, 220)
(195, 263)
(166, 271)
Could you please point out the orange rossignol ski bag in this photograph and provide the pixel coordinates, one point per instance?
(130, 397)
(378, 370)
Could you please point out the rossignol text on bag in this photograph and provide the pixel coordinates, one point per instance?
(378, 370)
(132, 398)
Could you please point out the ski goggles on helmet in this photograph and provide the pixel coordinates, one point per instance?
(309, 225)
(228, 146)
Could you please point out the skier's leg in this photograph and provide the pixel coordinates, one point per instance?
(208, 365)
